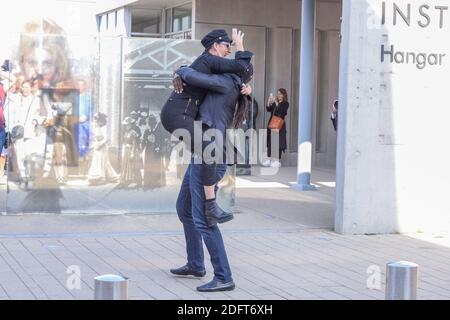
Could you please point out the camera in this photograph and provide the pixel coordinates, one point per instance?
(6, 66)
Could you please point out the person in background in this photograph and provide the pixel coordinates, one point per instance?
(83, 126)
(277, 106)
(334, 115)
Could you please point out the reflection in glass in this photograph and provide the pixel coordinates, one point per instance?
(101, 171)
(145, 21)
(182, 18)
(92, 137)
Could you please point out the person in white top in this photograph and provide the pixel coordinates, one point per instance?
(22, 118)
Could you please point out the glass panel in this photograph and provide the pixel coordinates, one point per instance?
(182, 18)
(148, 70)
(49, 118)
(86, 121)
(169, 13)
(145, 21)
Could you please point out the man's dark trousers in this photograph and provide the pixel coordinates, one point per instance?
(191, 212)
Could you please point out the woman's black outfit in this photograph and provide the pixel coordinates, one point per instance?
(279, 111)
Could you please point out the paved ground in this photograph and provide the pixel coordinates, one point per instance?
(281, 246)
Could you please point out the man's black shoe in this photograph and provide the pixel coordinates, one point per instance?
(216, 285)
(186, 271)
(215, 214)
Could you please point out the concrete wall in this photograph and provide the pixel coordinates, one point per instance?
(392, 170)
(269, 13)
(327, 84)
(272, 31)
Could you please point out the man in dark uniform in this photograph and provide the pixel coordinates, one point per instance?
(218, 112)
(182, 107)
(180, 111)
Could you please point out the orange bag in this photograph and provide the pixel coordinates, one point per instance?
(276, 123)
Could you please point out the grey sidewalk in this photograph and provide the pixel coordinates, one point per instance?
(280, 245)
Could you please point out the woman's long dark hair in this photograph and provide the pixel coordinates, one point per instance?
(244, 102)
(242, 110)
(284, 93)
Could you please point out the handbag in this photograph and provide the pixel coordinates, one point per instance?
(18, 131)
(276, 122)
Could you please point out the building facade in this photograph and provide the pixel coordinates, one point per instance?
(392, 164)
(385, 61)
(388, 65)
(272, 32)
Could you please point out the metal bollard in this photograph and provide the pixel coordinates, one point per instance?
(111, 287)
(401, 280)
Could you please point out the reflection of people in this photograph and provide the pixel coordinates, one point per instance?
(2, 122)
(277, 106)
(6, 91)
(43, 55)
(131, 163)
(61, 133)
(142, 121)
(83, 124)
(23, 111)
(334, 115)
(154, 172)
(101, 170)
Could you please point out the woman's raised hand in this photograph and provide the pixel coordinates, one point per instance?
(238, 39)
(246, 90)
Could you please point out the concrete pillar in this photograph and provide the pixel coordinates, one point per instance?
(124, 22)
(304, 154)
(342, 131)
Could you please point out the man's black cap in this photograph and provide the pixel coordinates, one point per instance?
(217, 35)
